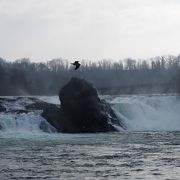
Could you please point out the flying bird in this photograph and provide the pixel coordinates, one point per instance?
(77, 64)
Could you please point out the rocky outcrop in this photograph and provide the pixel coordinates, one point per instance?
(82, 111)
(56, 117)
(18, 111)
(2, 108)
(39, 105)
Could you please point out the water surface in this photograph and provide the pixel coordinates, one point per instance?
(126, 155)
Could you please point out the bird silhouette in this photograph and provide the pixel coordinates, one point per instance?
(77, 64)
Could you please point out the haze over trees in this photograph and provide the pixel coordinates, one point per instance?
(129, 76)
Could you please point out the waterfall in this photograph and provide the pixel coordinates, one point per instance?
(153, 113)
(29, 122)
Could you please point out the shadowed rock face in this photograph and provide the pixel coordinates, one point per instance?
(2, 108)
(81, 111)
(39, 105)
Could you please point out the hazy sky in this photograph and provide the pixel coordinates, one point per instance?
(88, 29)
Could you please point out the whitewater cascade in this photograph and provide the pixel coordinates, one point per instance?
(138, 113)
(152, 113)
(30, 122)
(11, 122)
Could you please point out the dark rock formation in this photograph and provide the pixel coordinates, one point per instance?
(18, 111)
(55, 117)
(81, 110)
(11, 99)
(2, 108)
(38, 105)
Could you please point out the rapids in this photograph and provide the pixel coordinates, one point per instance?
(148, 113)
(138, 113)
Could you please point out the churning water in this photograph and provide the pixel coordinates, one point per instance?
(152, 113)
(148, 149)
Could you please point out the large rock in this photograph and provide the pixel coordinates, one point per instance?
(81, 110)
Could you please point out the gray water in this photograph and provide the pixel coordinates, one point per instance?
(127, 155)
(148, 149)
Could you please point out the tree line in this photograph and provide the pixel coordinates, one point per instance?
(129, 76)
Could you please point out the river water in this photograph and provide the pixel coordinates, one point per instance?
(148, 149)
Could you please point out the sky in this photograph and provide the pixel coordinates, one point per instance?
(88, 29)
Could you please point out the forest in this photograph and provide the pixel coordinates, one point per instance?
(128, 76)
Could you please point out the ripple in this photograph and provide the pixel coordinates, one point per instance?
(38, 157)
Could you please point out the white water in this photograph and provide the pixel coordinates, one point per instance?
(23, 123)
(138, 113)
(152, 113)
